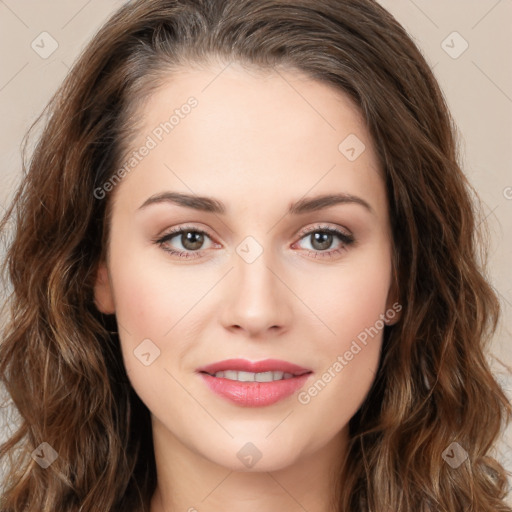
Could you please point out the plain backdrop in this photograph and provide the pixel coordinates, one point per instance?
(466, 42)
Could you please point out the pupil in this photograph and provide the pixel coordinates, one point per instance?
(192, 240)
(327, 239)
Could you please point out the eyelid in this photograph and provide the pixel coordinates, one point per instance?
(324, 227)
(301, 233)
(183, 228)
(343, 234)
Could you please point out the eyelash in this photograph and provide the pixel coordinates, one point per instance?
(346, 240)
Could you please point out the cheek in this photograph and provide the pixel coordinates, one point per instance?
(351, 300)
(351, 308)
(142, 304)
(151, 293)
(160, 302)
(146, 309)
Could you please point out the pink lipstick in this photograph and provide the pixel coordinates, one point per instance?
(254, 384)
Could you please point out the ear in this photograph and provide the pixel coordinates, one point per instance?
(393, 307)
(103, 296)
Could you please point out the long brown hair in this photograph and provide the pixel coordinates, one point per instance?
(59, 359)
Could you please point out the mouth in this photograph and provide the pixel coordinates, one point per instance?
(253, 384)
(252, 376)
(243, 370)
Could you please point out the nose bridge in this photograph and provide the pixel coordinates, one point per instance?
(256, 296)
(252, 271)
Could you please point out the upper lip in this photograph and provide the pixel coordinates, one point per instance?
(243, 365)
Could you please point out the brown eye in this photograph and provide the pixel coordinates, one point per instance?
(322, 238)
(191, 240)
(184, 242)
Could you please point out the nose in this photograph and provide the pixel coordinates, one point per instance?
(257, 298)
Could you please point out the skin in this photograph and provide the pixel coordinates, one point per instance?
(257, 142)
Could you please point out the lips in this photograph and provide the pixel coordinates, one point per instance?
(243, 365)
(254, 393)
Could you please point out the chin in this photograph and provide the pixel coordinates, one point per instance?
(255, 456)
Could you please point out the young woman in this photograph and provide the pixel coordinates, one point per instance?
(245, 275)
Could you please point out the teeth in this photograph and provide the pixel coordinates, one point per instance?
(253, 377)
(268, 376)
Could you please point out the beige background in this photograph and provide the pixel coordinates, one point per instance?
(477, 83)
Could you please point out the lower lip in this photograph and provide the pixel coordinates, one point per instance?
(254, 394)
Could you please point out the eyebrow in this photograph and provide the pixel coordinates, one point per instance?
(211, 205)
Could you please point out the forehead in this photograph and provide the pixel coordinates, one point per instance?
(279, 134)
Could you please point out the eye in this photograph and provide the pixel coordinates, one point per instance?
(192, 240)
(322, 237)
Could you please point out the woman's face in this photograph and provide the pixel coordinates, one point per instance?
(257, 274)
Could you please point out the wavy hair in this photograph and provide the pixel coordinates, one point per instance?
(59, 359)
